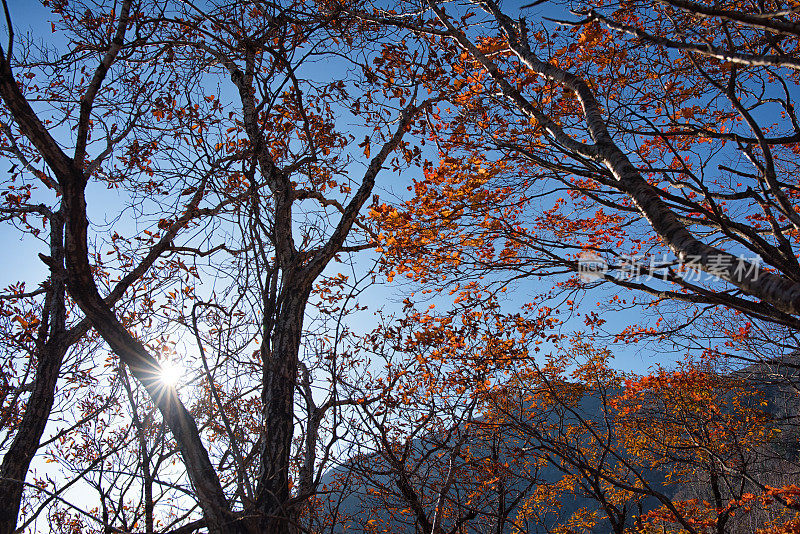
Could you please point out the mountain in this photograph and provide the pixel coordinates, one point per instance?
(495, 473)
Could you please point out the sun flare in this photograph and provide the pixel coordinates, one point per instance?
(171, 373)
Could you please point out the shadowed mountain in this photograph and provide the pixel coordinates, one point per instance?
(565, 465)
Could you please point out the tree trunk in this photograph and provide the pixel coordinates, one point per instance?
(51, 347)
(18, 458)
(280, 367)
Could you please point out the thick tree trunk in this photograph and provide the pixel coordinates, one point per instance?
(280, 367)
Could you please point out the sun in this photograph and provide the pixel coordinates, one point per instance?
(171, 373)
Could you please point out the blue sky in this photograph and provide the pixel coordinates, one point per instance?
(21, 258)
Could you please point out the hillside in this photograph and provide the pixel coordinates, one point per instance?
(529, 467)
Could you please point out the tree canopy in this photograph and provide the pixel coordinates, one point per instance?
(212, 189)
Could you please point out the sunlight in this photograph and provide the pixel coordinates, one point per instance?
(171, 373)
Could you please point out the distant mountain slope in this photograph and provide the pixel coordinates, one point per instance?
(374, 498)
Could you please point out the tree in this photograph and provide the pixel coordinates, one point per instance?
(659, 141)
(41, 327)
(687, 449)
(259, 164)
(241, 187)
(654, 141)
(465, 429)
(714, 434)
(427, 459)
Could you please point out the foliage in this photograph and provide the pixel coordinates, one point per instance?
(197, 180)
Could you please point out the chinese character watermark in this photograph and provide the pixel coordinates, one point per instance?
(689, 268)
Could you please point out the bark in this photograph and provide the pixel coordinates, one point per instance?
(26, 441)
(280, 367)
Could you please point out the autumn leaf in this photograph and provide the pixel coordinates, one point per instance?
(365, 145)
